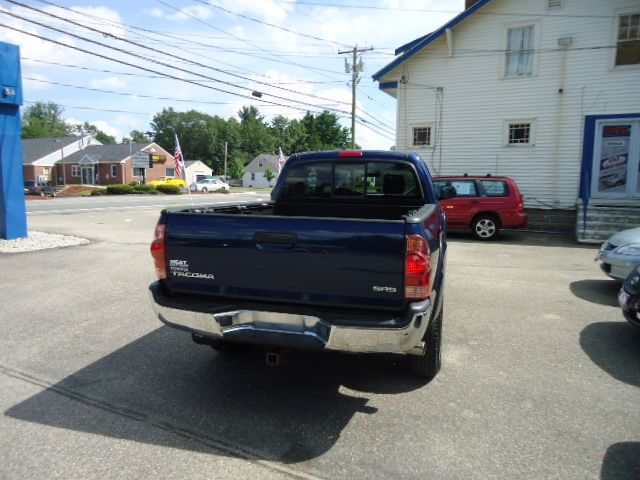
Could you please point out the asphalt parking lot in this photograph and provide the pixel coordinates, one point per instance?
(541, 375)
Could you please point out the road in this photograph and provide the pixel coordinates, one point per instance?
(541, 375)
(126, 202)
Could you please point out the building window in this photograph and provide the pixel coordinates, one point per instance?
(519, 134)
(551, 4)
(138, 172)
(421, 136)
(253, 176)
(519, 60)
(114, 171)
(75, 170)
(628, 44)
(170, 172)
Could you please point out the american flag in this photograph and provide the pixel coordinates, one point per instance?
(179, 160)
(281, 160)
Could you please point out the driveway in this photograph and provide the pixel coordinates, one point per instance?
(541, 375)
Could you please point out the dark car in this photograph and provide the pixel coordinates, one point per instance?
(483, 205)
(31, 187)
(629, 297)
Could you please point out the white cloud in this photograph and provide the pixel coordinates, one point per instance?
(154, 12)
(267, 10)
(108, 129)
(108, 82)
(185, 14)
(33, 85)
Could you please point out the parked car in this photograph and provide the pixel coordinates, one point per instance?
(178, 182)
(620, 254)
(484, 205)
(32, 187)
(629, 297)
(209, 185)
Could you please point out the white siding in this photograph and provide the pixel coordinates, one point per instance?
(477, 100)
(259, 182)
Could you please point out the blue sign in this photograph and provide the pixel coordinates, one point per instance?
(13, 211)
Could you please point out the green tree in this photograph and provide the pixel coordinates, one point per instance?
(88, 129)
(290, 135)
(325, 132)
(269, 175)
(255, 136)
(137, 137)
(44, 119)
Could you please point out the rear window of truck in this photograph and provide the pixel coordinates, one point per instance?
(336, 180)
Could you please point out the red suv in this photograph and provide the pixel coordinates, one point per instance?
(482, 204)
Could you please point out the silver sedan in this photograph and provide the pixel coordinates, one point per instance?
(209, 185)
(620, 254)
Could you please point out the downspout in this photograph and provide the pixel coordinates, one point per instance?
(564, 44)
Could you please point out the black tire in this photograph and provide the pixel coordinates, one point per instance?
(428, 365)
(485, 227)
(204, 190)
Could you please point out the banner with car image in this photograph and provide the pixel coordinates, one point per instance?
(614, 158)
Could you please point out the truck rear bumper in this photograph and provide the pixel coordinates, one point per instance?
(292, 329)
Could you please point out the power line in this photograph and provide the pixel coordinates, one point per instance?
(428, 10)
(145, 114)
(272, 25)
(148, 69)
(164, 53)
(160, 77)
(135, 30)
(131, 94)
(159, 63)
(210, 25)
(161, 73)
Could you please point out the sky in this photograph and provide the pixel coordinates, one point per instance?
(117, 63)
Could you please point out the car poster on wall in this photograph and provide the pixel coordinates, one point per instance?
(614, 158)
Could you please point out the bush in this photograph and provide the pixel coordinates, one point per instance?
(169, 189)
(119, 189)
(144, 189)
(98, 192)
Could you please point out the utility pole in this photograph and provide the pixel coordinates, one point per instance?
(355, 69)
(225, 161)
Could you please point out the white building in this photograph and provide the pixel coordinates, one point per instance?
(194, 168)
(255, 173)
(544, 91)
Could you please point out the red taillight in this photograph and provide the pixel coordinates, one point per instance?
(158, 251)
(418, 269)
(350, 153)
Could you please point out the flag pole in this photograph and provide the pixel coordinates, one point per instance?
(180, 166)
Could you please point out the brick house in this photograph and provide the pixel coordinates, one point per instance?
(110, 164)
(41, 156)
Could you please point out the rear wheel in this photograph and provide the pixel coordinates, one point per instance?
(204, 190)
(428, 365)
(485, 227)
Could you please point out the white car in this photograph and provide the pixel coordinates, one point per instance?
(209, 185)
(620, 254)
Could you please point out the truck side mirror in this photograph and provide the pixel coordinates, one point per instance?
(447, 191)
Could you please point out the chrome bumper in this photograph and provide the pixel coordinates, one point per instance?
(298, 331)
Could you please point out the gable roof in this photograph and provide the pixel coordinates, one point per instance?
(114, 153)
(408, 50)
(35, 148)
(268, 161)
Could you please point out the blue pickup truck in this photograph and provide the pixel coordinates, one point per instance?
(348, 255)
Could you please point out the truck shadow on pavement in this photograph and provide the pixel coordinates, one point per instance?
(621, 462)
(603, 292)
(614, 347)
(162, 389)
